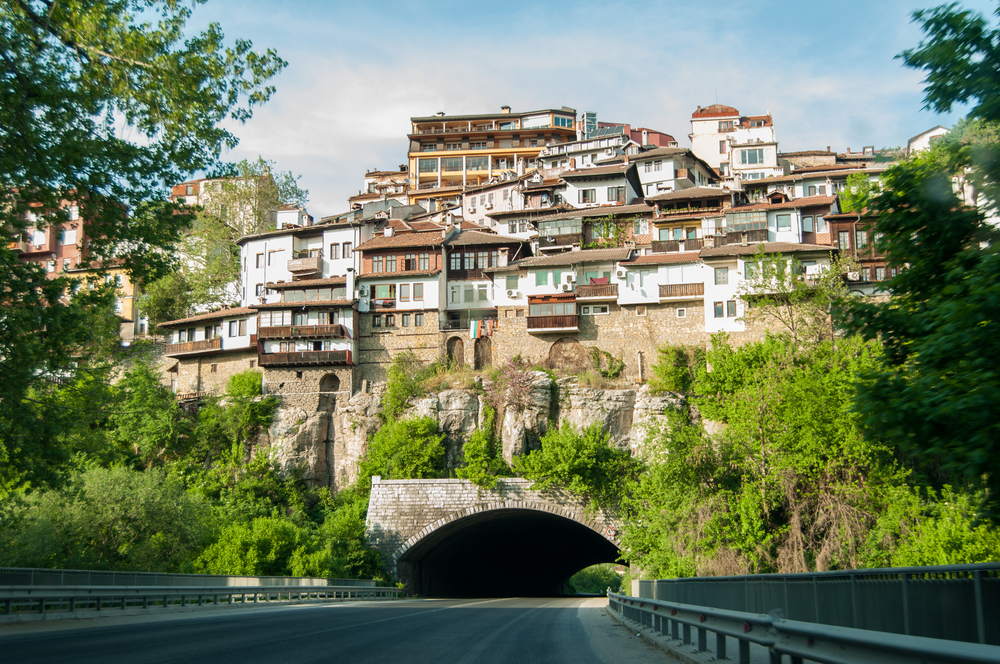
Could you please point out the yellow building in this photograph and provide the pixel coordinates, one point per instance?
(448, 153)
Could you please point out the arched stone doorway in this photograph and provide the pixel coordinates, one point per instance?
(483, 353)
(328, 386)
(568, 354)
(456, 351)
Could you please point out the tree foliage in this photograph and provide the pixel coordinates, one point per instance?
(482, 455)
(410, 448)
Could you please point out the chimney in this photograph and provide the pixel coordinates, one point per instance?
(505, 109)
(350, 283)
(828, 148)
(572, 162)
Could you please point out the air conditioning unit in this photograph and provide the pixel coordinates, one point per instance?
(854, 276)
(569, 278)
(620, 273)
(566, 288)
(363, 290)
(513, 294)
(814, 269)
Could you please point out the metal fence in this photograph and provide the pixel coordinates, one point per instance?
(954, 602)
(689, 626)
(19, 576)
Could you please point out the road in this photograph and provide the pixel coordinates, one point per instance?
(552, 630)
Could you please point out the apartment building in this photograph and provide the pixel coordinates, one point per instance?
(382, 185)
(739, 147)
(448, 153)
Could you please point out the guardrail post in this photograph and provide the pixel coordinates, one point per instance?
(676, 626)
(123, 602)
(854, 603)
(72, 604)
(687, 634)
(744, 652)
(720, 646)
(906, 606)
(774, 656)
(7, 607)
(41, 605)
(977, 577)
(145, 602)
(702, 639)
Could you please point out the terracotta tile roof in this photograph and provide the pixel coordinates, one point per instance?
(691, 192)
(715, 111)
(546, 183)
(597, 171)
(659, 152)
(769, 247)
(308, 283)
(664, 259)
(428, 239)
(603, 211)
(808, 201)
(234, 312)
(303, 305)
(532, 212)
(401, 273)
(572, 258)
(479, 237)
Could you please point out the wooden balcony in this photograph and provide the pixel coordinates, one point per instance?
(560, 240)
(565, 323)
(597, 292)
(187, 347)
(681, 291)
(671, 246)
(755, 236)
(475, 273)
(305, 358)
(302, 332)
(305, 265)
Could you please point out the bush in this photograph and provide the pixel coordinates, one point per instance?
(595, 580)
(402, 384)
(482, 454)
(676, 369)
(404, 449)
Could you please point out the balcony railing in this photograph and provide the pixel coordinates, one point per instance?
(690, 211)
(669, 246)
(739, 237)
(597, 291)
(446, 325)
(681, 290)
(301, 331)
(559, 240)
(305, 358)
(565, 323)
(305, 264)
(194, 346)
(475, 273)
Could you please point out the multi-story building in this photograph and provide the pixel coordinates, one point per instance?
(670, 169)
(382, 185)
(449, 153)
(823, 180)
(738, 146)
(203, 351)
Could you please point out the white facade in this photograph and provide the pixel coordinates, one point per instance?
(234, 331)
(723, 308)
(400, 293)
(500, 197)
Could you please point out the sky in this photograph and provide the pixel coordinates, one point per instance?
(357, 71)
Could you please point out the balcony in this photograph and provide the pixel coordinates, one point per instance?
(671, 246)
(452, 324)
(475, 273)
(302, 332)
(305, 265)
(681, 291)
(186, 347)
(755, 236)
(564, 323)
(559, 240)
(305, 358)
(597, 292)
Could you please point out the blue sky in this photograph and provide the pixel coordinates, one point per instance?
(359, 70)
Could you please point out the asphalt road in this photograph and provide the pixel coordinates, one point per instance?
(553, 630)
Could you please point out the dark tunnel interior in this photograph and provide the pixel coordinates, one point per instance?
(502, 553)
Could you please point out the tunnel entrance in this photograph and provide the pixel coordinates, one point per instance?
(502, 553)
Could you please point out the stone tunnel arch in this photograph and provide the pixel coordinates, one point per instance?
(456, 351)
(449, 538)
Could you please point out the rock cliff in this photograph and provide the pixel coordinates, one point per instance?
(325, 446)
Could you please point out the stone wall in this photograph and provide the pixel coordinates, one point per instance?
(623, 333)
(377, 346)
(206, 373)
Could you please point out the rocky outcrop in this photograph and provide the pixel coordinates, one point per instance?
(326, 445)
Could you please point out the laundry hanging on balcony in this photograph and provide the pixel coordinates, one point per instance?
(481, 328)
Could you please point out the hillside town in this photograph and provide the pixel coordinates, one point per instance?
(539, 234)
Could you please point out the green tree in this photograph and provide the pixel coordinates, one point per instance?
(244, 202)
(482, 455)
(585, 463)
(168, 298)
(403, 449)
(149, 419)
(859, 191)
(100, 107)
(596, 579)
(676, 368)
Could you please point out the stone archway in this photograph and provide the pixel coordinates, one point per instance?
(568, 354)
(483, 353)
(328, 386)
(456, 351)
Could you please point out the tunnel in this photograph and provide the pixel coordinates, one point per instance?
(502, 553)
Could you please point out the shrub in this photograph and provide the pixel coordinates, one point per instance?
(404, 449)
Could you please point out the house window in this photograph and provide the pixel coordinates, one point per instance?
(601, 310)
(478, 145)
(844, 237)
(719, 312)
(334, 251)
(482, 292)
(51, 267)
(215, 368)
(731, 309)
(346, 250)
(822, 190)
(470, 261)
(587, 196)
(418, 320)
(376, 321)
(542, 278)
(616, 194)
(424, 262)
(260, 261)
(377, 264)
(427, 165)
(640, 226)
(682, 313)
(234, 328)
(820, 224)
(721, 276)
(405, 320)
(390, 263)
(189, 190)
(259, 290)
(880, 274)
(752, 156)
(455, 261)
(418, 292)
(512, 226)
(483, 258)
(807, 225)
(385, 291)
(67, 237)
(784, 222)
(455, 295)
(511, 283)
(657, 166)
(522, 226)
(65, 264)
(390, 320)
(300, 318)
(470, 294)
(404, 292)
(861, 239)
(722, 147)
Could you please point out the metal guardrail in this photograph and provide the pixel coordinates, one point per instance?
(952, 602)
(33, 576)
(802, 641)
(46, 599)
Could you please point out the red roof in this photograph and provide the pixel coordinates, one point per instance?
(715, 111)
